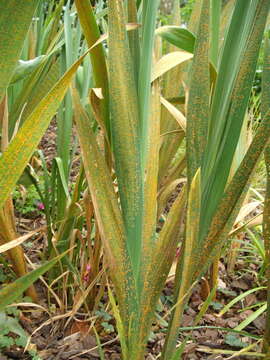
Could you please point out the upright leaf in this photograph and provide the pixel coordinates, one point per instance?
(171, 88)
(15, 158)
(215, 26)
(151, 177)
(15, 19)
(265, 107)
(198, 104)
(157, 271)
(92, 34)
(11, 292)
(125, 128)
(133, 37)
(191, 258)
(108, 215)
(235, 76)
(149, 22)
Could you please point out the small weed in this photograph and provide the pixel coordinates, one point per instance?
(11, 332)
(234, 341)
(27, 201)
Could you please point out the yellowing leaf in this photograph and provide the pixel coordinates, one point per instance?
(177, 114)
(15, 158)
(15, 19)
(168, 62)
(11, 244)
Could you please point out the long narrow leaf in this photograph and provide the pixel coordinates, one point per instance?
(15, 19)
(163, 255)
(92, 34)
(235, 76)
(125, 128)
(15, 158)
(149, 21)
(133, 37)
(180, 37)
(171, 88)
(150, 183)
(12, 291)
(108, 215)
(191, 258)
(265, 106)
(198, 105)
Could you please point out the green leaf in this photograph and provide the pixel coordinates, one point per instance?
(11, 292)
(238, 298)
(251, 317)
(6, 341)
(149, 211)
(15, 158)
(149, 13)
(235, 75)
(15, 19)
(92, 34)
(205, 306)
(35, 87)
(133, 37)
(170, 90)
(199, 96)
(234, 341)
(190, 260)
(265, 105)
(108, 215)
(244, 333)
(179, 352)
(159, 267)
(215, 26)
(10, 323)
(25, 68)
(125, 129)
(177, 36)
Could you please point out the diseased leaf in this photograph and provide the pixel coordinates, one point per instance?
(108, 215)
(15, 19)
(177, 114)
(199, 97)
(233, 86)
(15, 158)
(24, 68)
(125, 129)
(92, 35)
(168, 62)
(189, 262)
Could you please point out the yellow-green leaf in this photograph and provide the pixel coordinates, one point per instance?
(168, 62)
(191, 256)
(15, 19)
(15, 158)
(108, 215)
(125, 128)
(12, 291)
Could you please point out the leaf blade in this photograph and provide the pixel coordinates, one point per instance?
(13, 29)
(10, 292)
(15, 158)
